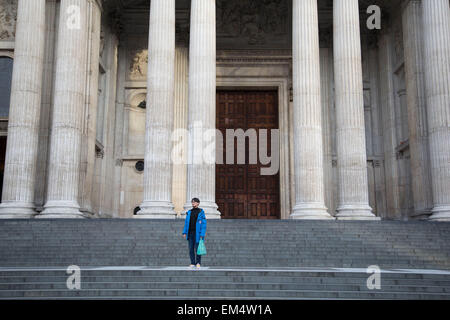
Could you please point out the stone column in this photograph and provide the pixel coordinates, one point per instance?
(327, 108)
(180, 124)
(68, 105)
(350, 131)
(159, 124)
(387, 103)
(308, 150)
(436, 28)
(90, 115)
(416, 104)
(23, 125)
(202, 107)
(40, 191)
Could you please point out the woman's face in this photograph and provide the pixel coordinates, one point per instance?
(195, 204)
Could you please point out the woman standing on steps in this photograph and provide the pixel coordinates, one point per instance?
(195, 229)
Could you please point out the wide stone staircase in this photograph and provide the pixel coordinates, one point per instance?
(246, 259)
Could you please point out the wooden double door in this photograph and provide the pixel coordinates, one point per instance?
(242, 192)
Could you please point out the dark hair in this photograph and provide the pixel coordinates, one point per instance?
(195, 200)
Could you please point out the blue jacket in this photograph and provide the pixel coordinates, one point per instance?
(200, 226)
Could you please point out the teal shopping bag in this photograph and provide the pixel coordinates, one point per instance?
(201, 248)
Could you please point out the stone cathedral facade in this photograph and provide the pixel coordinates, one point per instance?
(91, 92)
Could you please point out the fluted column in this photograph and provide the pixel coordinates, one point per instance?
(327, 106)
(46, 103)
(90, 128)
(159, 124)
(180, 123)
(23, 125)
(436, 28)
(68, 105)
(350, 131)
(416, 102)
(202, 107)
(308, 151)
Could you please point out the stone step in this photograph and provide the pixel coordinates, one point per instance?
(253, 248)
(333, 280)
(235, 263)
(152, 261)
(236, 273)
(218, 294)
(225, 286)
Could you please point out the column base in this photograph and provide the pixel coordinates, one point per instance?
(441, 214)
(310, 212)
(17, 210)
(209, 207)
(88, 211)
(156, 210)
(421, 214)
(61, 210)
(356, 212)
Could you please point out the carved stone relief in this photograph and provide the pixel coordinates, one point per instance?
(8, 16)
(259, 23)
(138, 64)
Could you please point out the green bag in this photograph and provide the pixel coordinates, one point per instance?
(201, 248)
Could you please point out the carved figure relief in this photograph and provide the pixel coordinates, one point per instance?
(8, 17)
(254, 20)
(139, 64)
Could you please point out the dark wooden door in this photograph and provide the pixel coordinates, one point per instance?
(241, 191)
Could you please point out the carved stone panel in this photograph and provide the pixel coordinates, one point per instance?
(137, 64)
(253, 23)
(8, 16)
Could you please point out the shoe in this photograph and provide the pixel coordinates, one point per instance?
(191, 266)
(198, 265)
